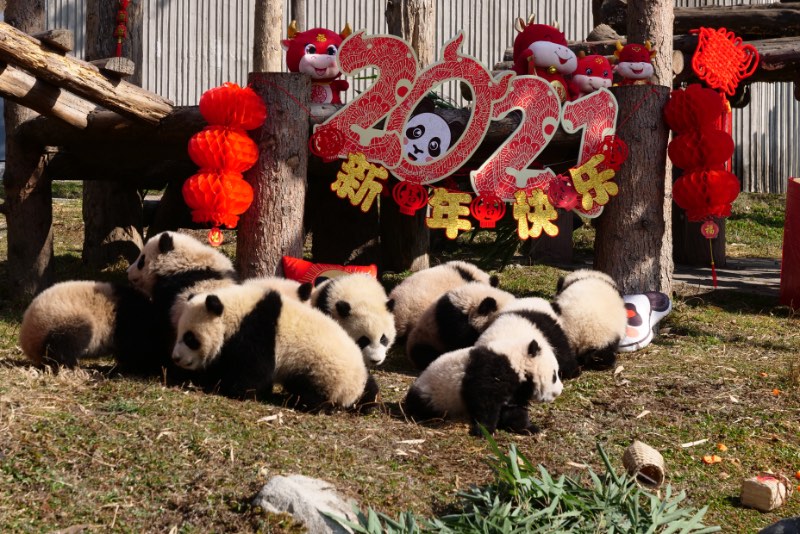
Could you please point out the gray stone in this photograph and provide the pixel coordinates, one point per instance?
(305, 499)
(784, 526)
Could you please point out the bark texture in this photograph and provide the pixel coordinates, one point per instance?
(267, 33)
(273, 226)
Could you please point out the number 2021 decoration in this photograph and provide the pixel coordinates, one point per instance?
(401, 86)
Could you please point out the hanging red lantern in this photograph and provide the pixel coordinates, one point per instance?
(410, 197)
(218, 147)
(233, 106)
(615, 151)
(326, 143)
(561, 193)
(693, 108)
(706, 193)
(702, 148)
(487, 209)
(217, 197)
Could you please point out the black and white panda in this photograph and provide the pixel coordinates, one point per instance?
(171, 267)
(520, 317)
(239, 340)
(594, 316)
(79, 319)
(454, 321)
(489, 386)
(359, 304)
(413, 295)
(287, 288)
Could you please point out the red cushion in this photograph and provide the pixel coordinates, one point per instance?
(306, 271)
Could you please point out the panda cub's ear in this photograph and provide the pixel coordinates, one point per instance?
(214, 305)
(534, 349)
(494, 281)
(560, 285)
(165, 243)
(343, 308)
(304, 291)
(487, 306)
(390, 305)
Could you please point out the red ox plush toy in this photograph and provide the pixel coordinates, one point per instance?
(314, 53)
(633, 63)
(542, 50)
(593, 72)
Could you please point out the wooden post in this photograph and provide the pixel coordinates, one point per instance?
(273, 226)
(267, 31)
(405, 240)
(633, 232)
(298, 12)
(28, 205)
(112, 211)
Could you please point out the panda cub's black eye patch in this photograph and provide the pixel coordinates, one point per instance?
(555, 377)
(363, 342)
(384, 340)
(140, 263)
(191, 341)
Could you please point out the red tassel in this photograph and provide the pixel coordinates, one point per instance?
(713, 266)
(119, 49)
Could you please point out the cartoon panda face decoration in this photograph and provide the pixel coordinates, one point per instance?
(427, 136)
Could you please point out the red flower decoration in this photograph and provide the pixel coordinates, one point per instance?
(702, 148)
(410, 197)
(221, 148)
(487, 209)
(706, 193)
(233, 106)
(217, 197)
(693, 108)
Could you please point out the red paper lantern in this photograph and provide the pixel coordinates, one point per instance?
(410, 197)
(706, 193)
(562, 194)
(487, 209)
(703, 148)
(221, 148)
(233, 106)
(326, 143)
(217, 197)
(693, 108)
(615, 151)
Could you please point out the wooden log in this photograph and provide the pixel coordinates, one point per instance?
(116, 67)
(80, 77)
(405, 240)
(59, 40)
(22, 88)
(112, 211)
(28, 205)
(633, 243)
(273, 226)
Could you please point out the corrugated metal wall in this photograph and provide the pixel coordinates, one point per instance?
(193, 45)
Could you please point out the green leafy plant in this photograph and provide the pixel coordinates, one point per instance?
(527, 499)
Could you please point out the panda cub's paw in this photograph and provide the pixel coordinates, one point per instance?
(515, 418)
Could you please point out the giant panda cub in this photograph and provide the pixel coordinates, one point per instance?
(454, 321)
(520, 316)
(239, 340)
(413, 295)
(287, 288)
(170, 268)
(81, 319)
(359, 304)
(594, 316)
(488, 386)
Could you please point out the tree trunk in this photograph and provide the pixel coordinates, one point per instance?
(651, 20)
(28, 206)
(405, 240)
(634, 238)
(112, 211)
(267, 32)
(298, 8)
(273, 226)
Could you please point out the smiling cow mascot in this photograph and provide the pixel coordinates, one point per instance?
(541, 50)
(313, 52)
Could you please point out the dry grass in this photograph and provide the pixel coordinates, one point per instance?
(84, 448)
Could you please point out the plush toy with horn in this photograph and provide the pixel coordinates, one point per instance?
(634, 63)
(593, 72)
(314, 53)
(541, 50)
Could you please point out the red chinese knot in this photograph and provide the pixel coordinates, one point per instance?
(721, 60)
(487, 209)
(410, 197)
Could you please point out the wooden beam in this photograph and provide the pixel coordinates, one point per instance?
(60, 41)
(116, 67)
(19, 86)
(80, 77)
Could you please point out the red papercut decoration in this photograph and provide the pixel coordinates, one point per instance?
(721, 60)
(217, 197)
(709, 229)
(410, 197)
(701, 148)
(326, 143)
(562, 194)
(215, 237)
(706, 193)
(487, 209)
(218, 147)
(693, 108)
(233, 106)
(615, 150)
